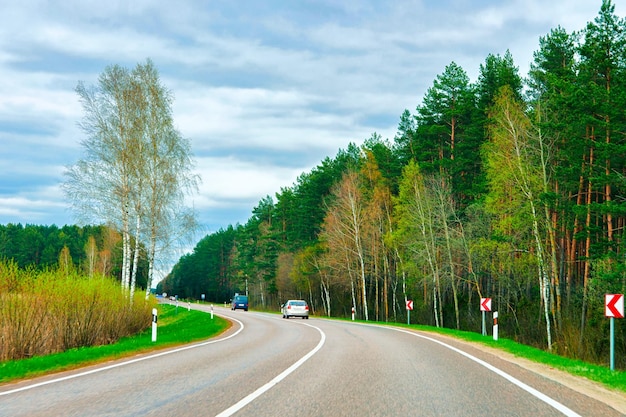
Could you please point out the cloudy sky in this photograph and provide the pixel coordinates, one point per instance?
(264, 90)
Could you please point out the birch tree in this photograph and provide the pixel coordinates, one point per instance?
(516, 160)
(343, 228)
(416, 233)
(136, 168)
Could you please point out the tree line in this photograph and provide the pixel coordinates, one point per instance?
(87, 250)
(507, 187)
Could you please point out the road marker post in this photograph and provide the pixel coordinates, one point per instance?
(352, 313)
(154, 324)
(211, 311)
(495, 326)
(613, 308)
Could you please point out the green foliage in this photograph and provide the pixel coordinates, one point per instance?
(48, 311)
(39, 247)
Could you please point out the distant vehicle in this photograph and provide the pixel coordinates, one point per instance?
(239, 301)
(295, 308)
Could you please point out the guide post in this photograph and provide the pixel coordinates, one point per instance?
(154, 324)
(495, 326)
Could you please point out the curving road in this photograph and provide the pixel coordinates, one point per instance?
(267, 366)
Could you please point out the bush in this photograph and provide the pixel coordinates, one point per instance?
(52, 311)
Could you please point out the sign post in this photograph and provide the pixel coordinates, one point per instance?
(352, 313)
(614, 309)
(409, 307)
(485, 305)
(154, 324)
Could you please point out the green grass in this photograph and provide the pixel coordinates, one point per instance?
(176, 326)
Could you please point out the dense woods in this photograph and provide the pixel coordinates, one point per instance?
(506, 187)
(87, 250)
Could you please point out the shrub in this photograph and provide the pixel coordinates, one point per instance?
(43, 312)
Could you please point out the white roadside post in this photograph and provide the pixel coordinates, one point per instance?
(495, 325)
(188, 305)
(352, 313)
(154, 324)
(211, 311)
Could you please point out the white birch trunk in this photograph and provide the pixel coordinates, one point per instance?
(151, 256)
(133, 282)
(125, 249)
(544, 282)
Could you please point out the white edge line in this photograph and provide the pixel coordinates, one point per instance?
(261, 390)
(538, 394)
(119, 364)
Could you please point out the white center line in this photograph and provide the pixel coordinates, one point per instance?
(256, 394)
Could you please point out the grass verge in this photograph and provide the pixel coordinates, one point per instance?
(176, 326)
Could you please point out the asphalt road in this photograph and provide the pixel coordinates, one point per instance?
(268, 366)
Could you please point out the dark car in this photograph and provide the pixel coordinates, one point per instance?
(240, 301)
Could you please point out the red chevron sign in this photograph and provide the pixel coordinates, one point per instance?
(614, 305)
(409, 304)
(485, 304)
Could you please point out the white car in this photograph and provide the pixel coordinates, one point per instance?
(295, 308)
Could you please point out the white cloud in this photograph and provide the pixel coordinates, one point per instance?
(34, 207)
(264, 90)
(231, 179)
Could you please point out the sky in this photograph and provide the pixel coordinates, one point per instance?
(264, 90)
